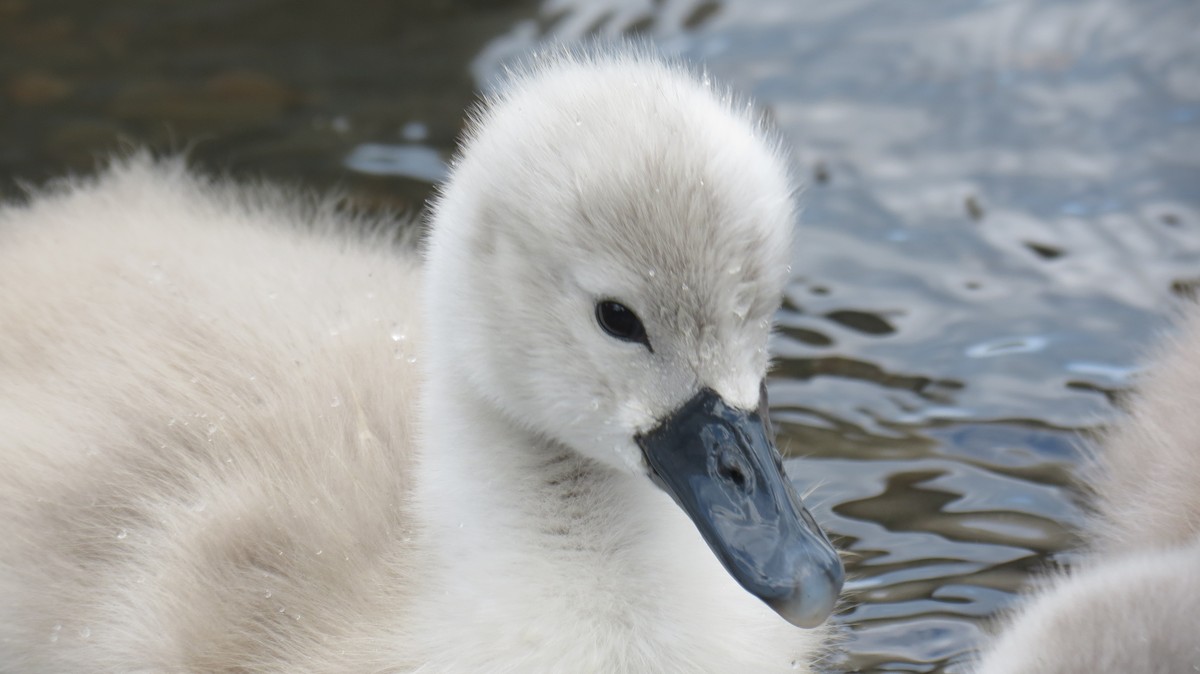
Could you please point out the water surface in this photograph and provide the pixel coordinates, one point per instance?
(1002, 205)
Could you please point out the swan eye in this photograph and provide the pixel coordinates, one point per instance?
(619, 321)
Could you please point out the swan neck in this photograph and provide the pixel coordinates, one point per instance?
(476, 457)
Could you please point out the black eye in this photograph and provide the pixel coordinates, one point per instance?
(619, 321)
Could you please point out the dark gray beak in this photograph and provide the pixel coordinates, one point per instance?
(721, 466)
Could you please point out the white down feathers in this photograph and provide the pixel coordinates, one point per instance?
(241, 433)
(1133, 602)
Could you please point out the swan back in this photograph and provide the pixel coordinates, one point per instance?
(1132, 604)
(205, 443)
(1146, 478)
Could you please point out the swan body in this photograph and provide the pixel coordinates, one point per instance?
(242, 432)
(1133, 603)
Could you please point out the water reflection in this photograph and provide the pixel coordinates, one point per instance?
(251, 87)
(1007, 345)
(406, 161)
(1003, 198)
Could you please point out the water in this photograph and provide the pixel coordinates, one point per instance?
(1003, 200)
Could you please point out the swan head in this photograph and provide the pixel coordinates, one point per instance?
(604, 264)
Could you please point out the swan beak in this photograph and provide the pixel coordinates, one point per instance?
(721, 466)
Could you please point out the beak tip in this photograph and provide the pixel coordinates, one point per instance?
(815, 593)
(811, 604)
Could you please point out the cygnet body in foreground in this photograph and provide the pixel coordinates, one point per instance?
(240, 433)
(1132, 603)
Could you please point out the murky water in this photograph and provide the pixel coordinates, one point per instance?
(1003, 200)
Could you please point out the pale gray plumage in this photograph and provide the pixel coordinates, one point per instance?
(1133, 602)
(239, 433)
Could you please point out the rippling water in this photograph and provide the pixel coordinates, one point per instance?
(1003, 199)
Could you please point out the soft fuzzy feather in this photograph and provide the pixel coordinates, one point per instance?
(211, 403)
(1133, 603)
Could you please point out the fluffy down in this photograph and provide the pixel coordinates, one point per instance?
(1133, 604)
(241, 431)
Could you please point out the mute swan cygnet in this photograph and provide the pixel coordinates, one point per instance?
(1133, 605)
(240, 433)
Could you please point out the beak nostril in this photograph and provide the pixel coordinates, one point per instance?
(734, 474)
(731, 469)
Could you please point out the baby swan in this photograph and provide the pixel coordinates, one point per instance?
(243, 434)
(1133, 604)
